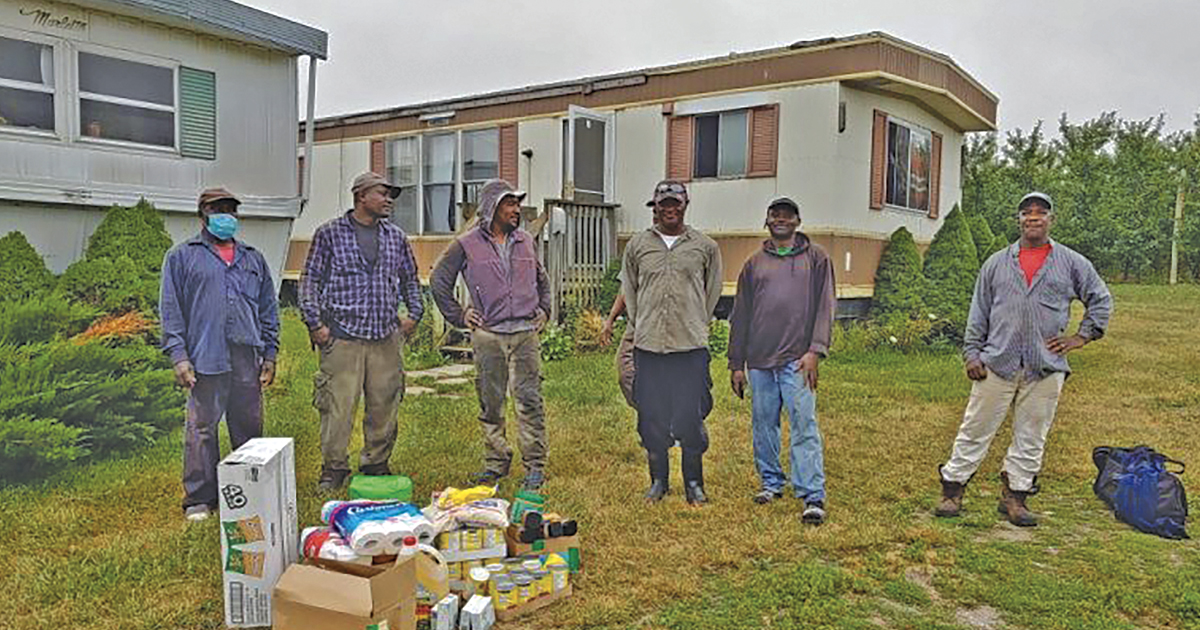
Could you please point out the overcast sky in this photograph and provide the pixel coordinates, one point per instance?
(1041, 57)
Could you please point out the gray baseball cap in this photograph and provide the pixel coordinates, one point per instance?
(369, 179)
(1036, 196)
(786, 202)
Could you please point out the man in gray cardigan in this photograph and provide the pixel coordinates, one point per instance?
(1015, 350)
(780, 329)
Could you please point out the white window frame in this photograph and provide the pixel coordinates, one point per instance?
(462, 162)
(720, 122)
(458, 180)
(61, 118)
(78, 95)
(420, 176)
(913, 130)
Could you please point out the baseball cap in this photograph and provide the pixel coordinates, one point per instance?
(211, 195)
(669, 189)
(786, 202)
(369, 179)
(1036, 196)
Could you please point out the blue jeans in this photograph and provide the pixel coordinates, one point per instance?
(770, 391)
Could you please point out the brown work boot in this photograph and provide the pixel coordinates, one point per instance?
(1012, 505)
(952, 497)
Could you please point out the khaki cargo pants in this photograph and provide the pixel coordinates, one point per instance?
(350, 368)
(502, 360)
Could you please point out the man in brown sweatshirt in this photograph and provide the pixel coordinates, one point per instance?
(780, 329)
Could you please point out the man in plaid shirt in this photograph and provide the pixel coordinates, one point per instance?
(358, 269)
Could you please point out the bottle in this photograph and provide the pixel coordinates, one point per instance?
(560, 571)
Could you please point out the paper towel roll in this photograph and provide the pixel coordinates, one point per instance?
(421, 528)
(322, 542)
(370, 539)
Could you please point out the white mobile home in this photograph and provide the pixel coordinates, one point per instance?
(106, 101)
(864, 131)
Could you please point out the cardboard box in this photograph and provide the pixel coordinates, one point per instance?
(566, 546)
(256, 487)
(536, 603)
(333, 595)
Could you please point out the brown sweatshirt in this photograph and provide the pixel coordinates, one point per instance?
(784, 306)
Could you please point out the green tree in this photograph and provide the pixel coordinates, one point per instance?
(950, 270)
(23, 273)
(899, 279)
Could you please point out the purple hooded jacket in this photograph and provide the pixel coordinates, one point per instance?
(501, 291)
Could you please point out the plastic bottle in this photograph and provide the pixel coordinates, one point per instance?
(408, 546)
(560, 571)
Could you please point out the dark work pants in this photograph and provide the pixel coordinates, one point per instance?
(674, 395)
(237, 395)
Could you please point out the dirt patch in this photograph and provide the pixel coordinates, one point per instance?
(984, 617)
(1006, 532)
(922, 577)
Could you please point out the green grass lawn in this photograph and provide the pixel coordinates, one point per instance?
(106, 547)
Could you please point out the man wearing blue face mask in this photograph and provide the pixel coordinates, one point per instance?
(220, 323)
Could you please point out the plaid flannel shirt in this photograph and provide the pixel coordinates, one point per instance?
(340, 289)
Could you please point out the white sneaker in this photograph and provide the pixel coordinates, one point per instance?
(196, 513)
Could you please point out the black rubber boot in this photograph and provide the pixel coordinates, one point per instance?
(659, 475)
(693, 477)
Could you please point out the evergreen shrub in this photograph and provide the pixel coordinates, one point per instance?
(23, 273)
(950, 270)
(899, 279)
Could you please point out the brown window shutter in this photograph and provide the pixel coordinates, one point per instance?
(878, 159)
(378, 158)
(935, 175)
(508, 153)
(764, 141)
(300, 175)
(679, 148)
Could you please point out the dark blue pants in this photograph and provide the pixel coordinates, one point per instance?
(236, 395)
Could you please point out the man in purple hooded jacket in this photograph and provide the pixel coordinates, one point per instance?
(510, 302)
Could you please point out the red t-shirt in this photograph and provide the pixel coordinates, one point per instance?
(1032, 259)
(226, 250)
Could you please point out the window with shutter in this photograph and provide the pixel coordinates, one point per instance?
(197, 113)
(679, 148)
(910, 172)
(378, 162)
(878, 159)
(935, 175)
(508, 154)
(764, 141)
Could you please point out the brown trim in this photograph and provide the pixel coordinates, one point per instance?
(378, 157)
(764, 141)
(935, 175)
(508, 154)
(876, 60)
(679, 148)
(878, 159)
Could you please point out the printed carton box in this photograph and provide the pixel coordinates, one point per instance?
(256, 488)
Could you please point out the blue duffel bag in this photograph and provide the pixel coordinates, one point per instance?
(1138, 488)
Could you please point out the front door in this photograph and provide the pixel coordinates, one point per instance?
(587, 151)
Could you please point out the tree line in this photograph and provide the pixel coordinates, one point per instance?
(1115, 185)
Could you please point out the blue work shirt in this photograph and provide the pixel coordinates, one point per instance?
(207, 305)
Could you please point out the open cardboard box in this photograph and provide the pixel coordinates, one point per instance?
(536, 603)
(566, 546)
(335, 595)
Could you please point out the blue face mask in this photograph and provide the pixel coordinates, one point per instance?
(222, 226)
